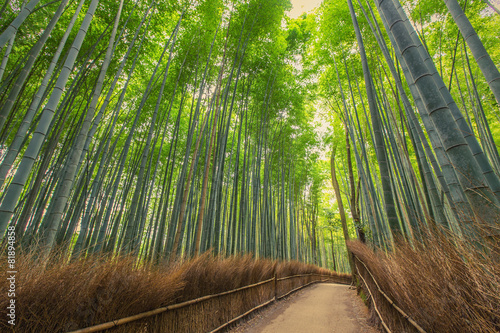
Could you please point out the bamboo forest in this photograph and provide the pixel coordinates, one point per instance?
(154, 152)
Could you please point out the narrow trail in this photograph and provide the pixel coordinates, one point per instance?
(319, 308)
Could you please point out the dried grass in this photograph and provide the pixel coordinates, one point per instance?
(63, 297)
(444, 283)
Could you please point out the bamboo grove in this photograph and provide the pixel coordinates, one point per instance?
(156, 129)
(169, 128)
(425, 154)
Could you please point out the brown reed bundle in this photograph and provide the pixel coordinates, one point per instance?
(446, 284)
(68, 296)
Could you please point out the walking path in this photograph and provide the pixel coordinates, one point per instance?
(319, 308)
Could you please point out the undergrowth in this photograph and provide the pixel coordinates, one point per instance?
(444, 283)
(67, 296)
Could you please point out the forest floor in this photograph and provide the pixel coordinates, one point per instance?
(320, 308)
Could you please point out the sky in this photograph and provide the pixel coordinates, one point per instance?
(300, 6)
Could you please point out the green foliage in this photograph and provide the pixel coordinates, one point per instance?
(284, 91)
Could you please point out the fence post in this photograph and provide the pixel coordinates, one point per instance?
(275, 288)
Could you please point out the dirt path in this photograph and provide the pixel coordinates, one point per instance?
(319, 308)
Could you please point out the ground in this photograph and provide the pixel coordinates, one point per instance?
(319, 308)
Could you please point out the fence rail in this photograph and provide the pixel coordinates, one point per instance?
(381, 299)
(213, 313)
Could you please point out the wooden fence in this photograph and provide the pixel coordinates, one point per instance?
(213, 313)
(392, 317)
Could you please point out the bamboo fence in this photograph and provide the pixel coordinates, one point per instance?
(395, 317)
(213, 313)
